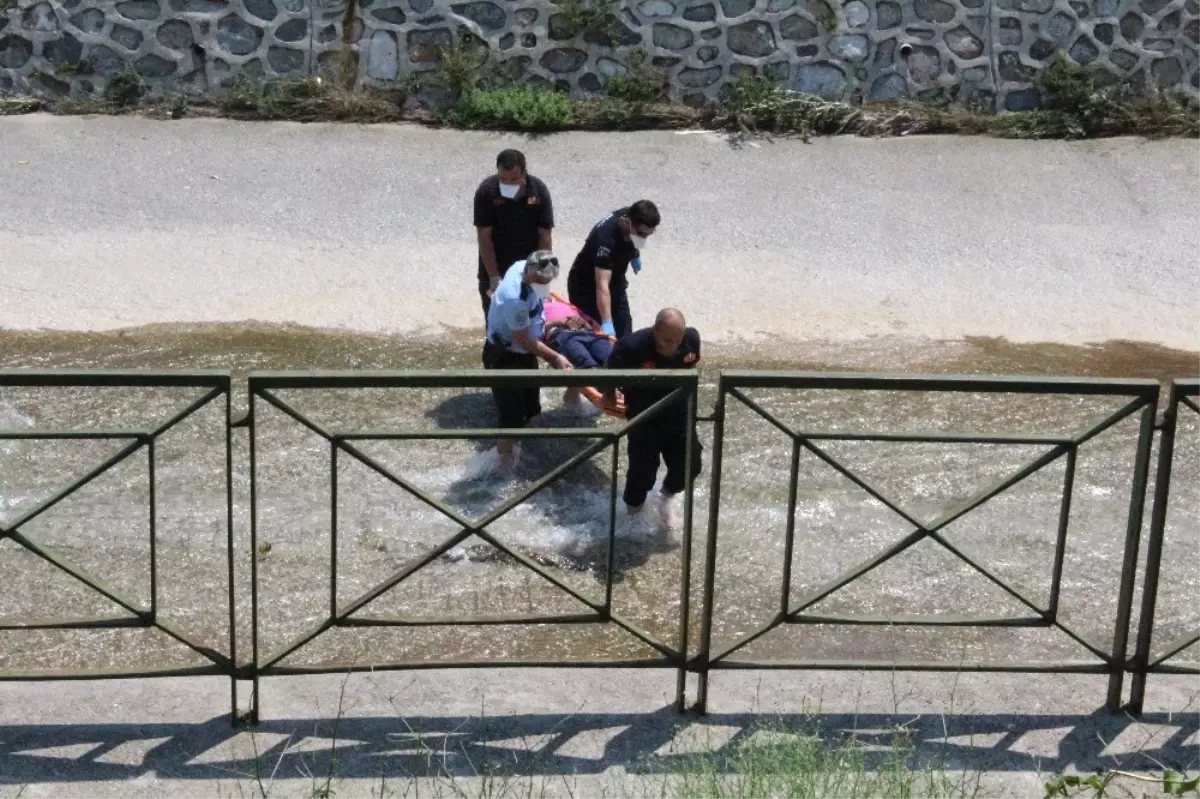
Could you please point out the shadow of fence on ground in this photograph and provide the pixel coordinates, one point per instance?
(569, 745)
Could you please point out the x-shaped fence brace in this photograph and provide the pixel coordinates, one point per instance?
(343, 442)
(1182, 393)
(684, 385)
(1145, 398)
(140, 617)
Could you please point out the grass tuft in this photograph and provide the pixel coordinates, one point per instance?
(11, 106)
(310, 99)
(780, 761)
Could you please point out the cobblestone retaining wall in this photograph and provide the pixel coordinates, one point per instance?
(981, 52)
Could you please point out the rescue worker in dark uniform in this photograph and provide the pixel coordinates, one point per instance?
(514, 216)
(597, 283)
(670, 344)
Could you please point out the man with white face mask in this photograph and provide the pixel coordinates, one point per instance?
(597, 283)
(516, 324)
(513, 217)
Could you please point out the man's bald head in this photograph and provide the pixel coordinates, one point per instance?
(670, 318)
(669, 329)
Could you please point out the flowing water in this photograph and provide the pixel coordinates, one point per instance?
(103, 528)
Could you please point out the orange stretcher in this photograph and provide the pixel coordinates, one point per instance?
(594, 395)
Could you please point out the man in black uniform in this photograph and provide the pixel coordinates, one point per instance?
(670, 344)
(513, 218)
(597, 283)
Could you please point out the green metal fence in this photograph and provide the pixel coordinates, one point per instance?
(214, 386)
(1141, 397)
(1182, 394)
(265, 387)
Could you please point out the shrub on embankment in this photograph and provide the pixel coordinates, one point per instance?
(1072, 106)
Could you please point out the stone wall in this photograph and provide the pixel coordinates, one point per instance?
(985, 53)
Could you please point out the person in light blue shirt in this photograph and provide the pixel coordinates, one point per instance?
(516, 322)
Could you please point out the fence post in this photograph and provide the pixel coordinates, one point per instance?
(252, 714)
(1154, 547)
(685, 577)
(230, 555)
(700, 664)
(1133, 535)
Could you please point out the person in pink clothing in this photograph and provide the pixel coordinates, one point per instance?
(573, 334)
(577, 337)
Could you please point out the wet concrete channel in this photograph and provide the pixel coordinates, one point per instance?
(104, 526)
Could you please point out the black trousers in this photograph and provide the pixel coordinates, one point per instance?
(649, 446)
(516, 405)
(622, 319)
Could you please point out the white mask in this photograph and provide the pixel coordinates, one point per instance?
(638, 241)
(542, 290)
(508, 190)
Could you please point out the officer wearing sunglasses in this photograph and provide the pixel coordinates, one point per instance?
(516, 321)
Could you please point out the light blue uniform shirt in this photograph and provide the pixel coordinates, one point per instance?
(515, 306)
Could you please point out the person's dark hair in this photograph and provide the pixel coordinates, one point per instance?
(510, 159)
(645, 213)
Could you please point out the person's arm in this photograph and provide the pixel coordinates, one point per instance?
(528, 343)
(546, 222)
(487, 254)
(617, 359)
(484, 220)
(604, 298)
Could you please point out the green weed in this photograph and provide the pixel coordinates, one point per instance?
(523, 108)
(798, 763)
(595, 20)
(461, 65)
(125, 89)
(1075, 107)
(642, 84)
(1173, 783)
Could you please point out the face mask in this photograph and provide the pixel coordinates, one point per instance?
(508, 191)
(542, 290)
(638, 241)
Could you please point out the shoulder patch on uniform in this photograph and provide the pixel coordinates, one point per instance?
(691, 357)
(603, 251)
(533, 200)
(522, 317)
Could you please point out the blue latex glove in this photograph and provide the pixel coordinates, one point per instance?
(607, 327)
(636, 263)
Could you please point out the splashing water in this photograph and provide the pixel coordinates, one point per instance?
(565, 527)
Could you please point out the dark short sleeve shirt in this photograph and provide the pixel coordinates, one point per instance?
(515, 223)
(637, 351)
(605, 248)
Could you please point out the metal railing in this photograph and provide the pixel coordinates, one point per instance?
(1142, 396)
(1139, 399)
(1181, 393)
(265, 387)
(214, 385)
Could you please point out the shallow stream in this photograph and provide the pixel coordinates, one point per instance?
(104, 527)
